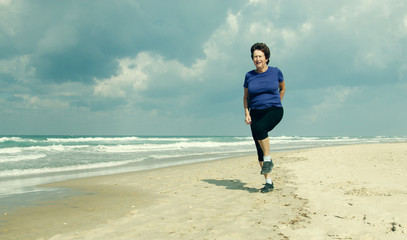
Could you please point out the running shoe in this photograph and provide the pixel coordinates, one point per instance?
(267, 188)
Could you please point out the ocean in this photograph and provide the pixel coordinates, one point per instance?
(28, 161)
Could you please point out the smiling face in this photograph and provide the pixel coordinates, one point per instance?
(260, 61)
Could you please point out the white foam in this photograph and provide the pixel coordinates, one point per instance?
(16, 139)
(167, 147)
(92, 139)
(17, 158)
(22, 172)
(55, 148)
(10, 150)
(9, 139)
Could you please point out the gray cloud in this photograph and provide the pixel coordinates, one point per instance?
(79, 40)
(184, 62)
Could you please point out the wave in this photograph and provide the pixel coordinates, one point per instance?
(122, 148)
(91, 139)
(10, 150)
(22, 172)
(27, 141)
(15, 139)
(51, 148)
(17, 158)
(168, 147)
(120, 139)
(131, 139)
(41, 143)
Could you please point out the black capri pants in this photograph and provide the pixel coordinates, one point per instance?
(263, 121)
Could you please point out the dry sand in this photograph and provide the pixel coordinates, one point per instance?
(344, 192)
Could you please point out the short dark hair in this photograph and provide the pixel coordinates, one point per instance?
(262, 47)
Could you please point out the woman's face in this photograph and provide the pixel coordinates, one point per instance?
(259, 59)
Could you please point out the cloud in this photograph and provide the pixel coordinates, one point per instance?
(131, 77)
(216, 48)
(77, 42)
(58, 39)
(5, 2)
(35, 102)
(18, 67)
(186, 60)
(146, 70)
(151, 80)
(347, 42)
(330, 100)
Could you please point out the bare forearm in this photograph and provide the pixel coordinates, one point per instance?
(248, 119)
(246, 106)
(246, 101)
(282, 89)
(282, 92)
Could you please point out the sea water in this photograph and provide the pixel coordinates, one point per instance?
(28, 161)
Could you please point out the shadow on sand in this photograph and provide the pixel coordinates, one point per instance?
(234, 184)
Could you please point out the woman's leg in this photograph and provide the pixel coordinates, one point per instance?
(260, 145)
(260, 154)
(265, 146)
(265, 124)
(262, 123)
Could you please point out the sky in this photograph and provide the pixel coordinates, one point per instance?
(150, 67)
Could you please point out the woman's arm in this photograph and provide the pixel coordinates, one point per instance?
(281, 86)
(248, 119)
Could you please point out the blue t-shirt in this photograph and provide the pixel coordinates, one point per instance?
(263, 88)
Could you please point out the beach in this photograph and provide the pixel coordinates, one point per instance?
(337, 192)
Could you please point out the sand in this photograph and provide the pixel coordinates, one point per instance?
(343, 192)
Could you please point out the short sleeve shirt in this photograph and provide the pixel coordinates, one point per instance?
(263, 88)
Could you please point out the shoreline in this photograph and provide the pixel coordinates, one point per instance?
(18, 181)
(219, 199)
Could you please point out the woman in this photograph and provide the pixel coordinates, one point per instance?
(264, 89)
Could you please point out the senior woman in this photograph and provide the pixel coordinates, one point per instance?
(264, 90)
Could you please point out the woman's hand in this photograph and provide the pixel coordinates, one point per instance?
(248, 119)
